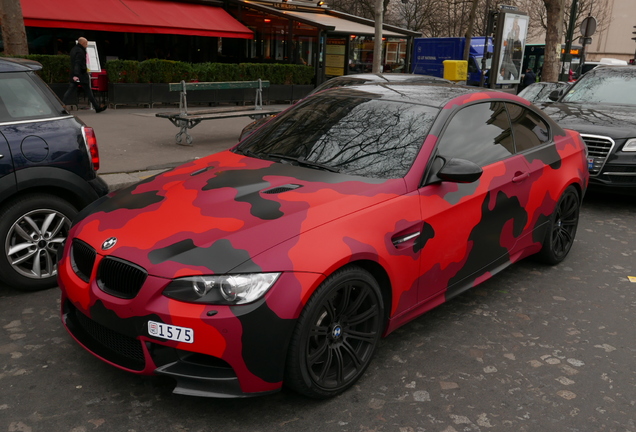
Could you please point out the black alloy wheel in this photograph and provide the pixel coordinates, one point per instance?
(336, 334)
(562, 230)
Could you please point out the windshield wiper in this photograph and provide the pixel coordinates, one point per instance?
(301, 161)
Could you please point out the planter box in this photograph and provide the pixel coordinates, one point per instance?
(129, 94)
(60, 88)
(160, 93)
(279, 93)
(300, 91)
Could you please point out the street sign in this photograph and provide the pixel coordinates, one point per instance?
(508, 7)
(585, 40)
(588, 26)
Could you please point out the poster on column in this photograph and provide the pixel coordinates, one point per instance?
(92, 58)
(515, 30)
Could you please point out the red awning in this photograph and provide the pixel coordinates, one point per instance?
(134, 16)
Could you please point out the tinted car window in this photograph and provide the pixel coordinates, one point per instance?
(479, 133)
(529, 130)
(354, 135)
(612, 86)
(21, 99)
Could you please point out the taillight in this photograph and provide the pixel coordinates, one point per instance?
(91, 144)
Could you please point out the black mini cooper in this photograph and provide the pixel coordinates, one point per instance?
(48, 164)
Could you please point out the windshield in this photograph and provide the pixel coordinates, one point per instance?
(605, 85)
(350, 135)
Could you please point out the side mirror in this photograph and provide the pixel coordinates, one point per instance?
(554, 95)
(460, 171)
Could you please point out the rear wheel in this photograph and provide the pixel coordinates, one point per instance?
(562, 228)
(336, 334)
(32, 229)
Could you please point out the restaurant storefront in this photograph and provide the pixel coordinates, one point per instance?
(333, 43)
(230, 31)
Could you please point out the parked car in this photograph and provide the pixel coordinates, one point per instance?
(540, 92)
(48, 164)
(284, 260)
(356, 79)
(602, 106)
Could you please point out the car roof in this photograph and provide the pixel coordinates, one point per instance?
(371, 78)
(432, 94)
(8, 64)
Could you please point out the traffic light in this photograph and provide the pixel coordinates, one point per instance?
(634, 33)
(491, 24)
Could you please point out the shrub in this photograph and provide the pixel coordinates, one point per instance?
(123, 71)
(164, 71)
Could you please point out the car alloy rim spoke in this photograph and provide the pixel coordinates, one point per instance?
(22, 233)
(352, 353)
(325, 365)
(47, 223)
(366, 337)
(338, 361)
(362, 296)
(24, 258)
(35, 226)
(36, 265)
(58, 227)
(318, 353)
(344, 300)
(20, 247)
(362, 317)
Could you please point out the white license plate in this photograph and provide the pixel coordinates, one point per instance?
(170, 332)
(590, 163)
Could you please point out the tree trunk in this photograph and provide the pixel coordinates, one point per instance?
(13, 33)
(555, 10)
(469, 30)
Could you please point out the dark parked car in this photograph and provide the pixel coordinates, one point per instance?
(285, 259)
(602, 107)
(356, 79)
(48, 163)
(540, 92)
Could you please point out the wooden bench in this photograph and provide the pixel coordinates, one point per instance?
(185, 119)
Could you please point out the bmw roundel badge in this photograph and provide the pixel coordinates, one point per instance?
(109, 243)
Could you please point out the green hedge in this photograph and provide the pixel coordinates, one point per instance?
(55, 69)
(167, 71)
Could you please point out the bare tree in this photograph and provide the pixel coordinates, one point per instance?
(13, 33)
(555, 10)
(362, 8)
(538, 16)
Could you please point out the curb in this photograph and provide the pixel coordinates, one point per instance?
(117, 181)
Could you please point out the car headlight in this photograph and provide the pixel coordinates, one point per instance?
(630, 145)
(223, 289)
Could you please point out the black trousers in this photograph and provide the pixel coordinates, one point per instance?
(86, 86)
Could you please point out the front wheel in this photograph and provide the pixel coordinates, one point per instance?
(336, 334)
(32, 229)
(562, 228)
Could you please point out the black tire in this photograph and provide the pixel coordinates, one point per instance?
(29, 256)
(562, 228)
(336, 334)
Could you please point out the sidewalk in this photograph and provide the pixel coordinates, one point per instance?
(134, 144)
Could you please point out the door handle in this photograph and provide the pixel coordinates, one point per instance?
(520, 176)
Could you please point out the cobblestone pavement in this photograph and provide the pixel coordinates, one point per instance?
(533, 349)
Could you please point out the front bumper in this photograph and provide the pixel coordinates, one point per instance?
(238, 351)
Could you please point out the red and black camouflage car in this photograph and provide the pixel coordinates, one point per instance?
(283, 260)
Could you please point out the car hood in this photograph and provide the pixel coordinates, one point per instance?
(216, 213)
(614, 121)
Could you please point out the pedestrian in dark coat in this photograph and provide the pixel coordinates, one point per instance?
(529, 78)
(79, 75)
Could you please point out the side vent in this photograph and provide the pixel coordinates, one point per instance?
(281, 189)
